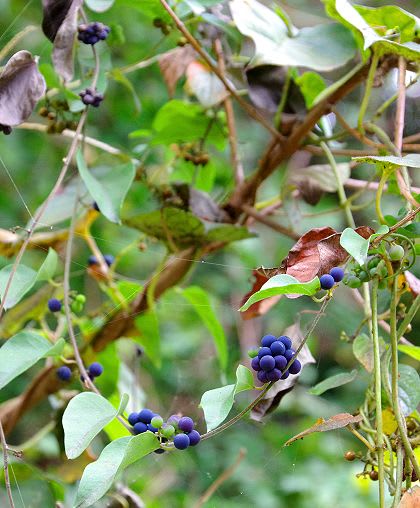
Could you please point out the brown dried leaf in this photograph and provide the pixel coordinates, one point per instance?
(273, 397)
(21, 86)
(173, 65)
(411, 498)
(335, 422)
(413, 283)
(54, 12)
(62, 55)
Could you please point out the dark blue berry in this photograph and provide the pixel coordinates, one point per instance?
(109, 259)
(281, 362)
(255, 363)
(274, 375)
(289, 354)
(287, 341)
(262, 376)
(181, 441)
(337, 273)
(146, 415)
(92, 260)
(54, 305)
(264, 351)
(133, 418)
(185, 424)
(151, 428)
(95, 369)
(267, 340)
(267, 363)
(194, 437)
(139, 428)
(285, 375)
(95, 206)
(296, 367)
(64, 373)
(326, 281)
(92, 33)
(277, 348)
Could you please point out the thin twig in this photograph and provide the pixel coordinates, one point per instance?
(227, 473)
(252, 112)
(6, 465)
(408, 218)
(249, 210)
(400, 113)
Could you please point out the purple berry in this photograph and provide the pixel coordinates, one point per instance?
(255, 364)
(194, 437)
(109, 259)
(54, 305)
(287, 341)
(139, 428)
(181, 441)
(264, 351)
(262, 376)
(146, 415)
(185, 424)
(277, 348)
(267, 363)
(173, 420)
(267, 340)
(133, 418)
(92, 260)
(326, 281)
(337, 273)
(95, 369)
(296, 367)
(285, 375)
(289, 354)
(274, 375)
(151, 428)
(64, 373)
(281, 362)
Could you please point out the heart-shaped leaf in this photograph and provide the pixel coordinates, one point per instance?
(355, 245)
(408, 389)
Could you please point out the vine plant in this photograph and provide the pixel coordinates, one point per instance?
(377, 258)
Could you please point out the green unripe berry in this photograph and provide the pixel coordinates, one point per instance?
(252, 353)
(76, 306)
(80, 298)
(354, 282)
(168, 431)
(396, 253)
(363, 276)
(373, 272)
(373, 262)
(157, 421)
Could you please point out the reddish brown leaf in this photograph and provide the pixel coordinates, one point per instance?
(411, 498)
(413, 283)
(173, 65)
(335, 422)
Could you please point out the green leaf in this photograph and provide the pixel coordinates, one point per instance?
(121, 78)
(413, 351)
(148, 326)
(84, 417)
(99, 5)
(178, 122)
(99, 476)
(282, 285)
(200, 300)
(217, 403)
(355, 245)
(408, 389)
(23, 280)
(311, 84)
(228, 233)
(123, 403)
(49, 266)
(322, 47)
(363, 350)
(173, 226)
(57, 349)
(110, 189)
(410, 161)
(21, 352)
(333, 382)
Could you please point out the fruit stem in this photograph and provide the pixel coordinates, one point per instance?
(398, 476)
(408, 317)
(361, 438)
(368, 89)
(378, 395)
(394, 379)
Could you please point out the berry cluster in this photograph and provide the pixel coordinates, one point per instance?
(329, 279)
(91, 97)
(77, 304)
(58, 115)
(109, 260)
(92, 33)
(5, 129)
(270, 360)
(179, 429)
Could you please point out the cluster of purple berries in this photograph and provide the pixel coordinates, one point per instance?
(328, 280)
(179, 429)
(272, 358)
(92, 33)
(91, 97)
(109, 260)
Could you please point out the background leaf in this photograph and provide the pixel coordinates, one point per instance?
(22, 282)
(148, 326)
(408, 388)
(48, 267)
(333, 382)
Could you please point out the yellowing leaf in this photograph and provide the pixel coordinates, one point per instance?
(388, 421)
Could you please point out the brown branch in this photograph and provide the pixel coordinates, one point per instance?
(408, 218)
(249, 210)
(6, 466)
(230, 120)
(252, 112)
